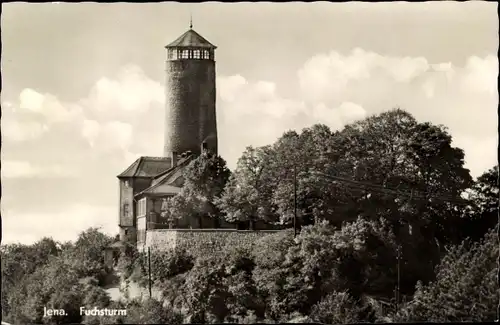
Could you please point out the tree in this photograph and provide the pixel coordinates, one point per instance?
(244, 302)
(204, 181)
(246, 196)
(54, 285)
(87, 254)
(206, 293)
(391, 166)
(59, 276)
(393, 150)
(151, 311)
(294, 274)
(297, 160)
(483, 213)
(465, 288)
(18, 263)
(167, 264)
(264, 185)
(337, 308)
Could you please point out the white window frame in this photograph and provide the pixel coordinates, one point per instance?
(141, 207)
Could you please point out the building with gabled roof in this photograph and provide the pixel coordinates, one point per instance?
(147, 167)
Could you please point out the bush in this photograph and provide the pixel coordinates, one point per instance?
(337, 308)
(151, 311)
(167, 264)
(244, 302)
(128, 260)
(206, 293)
(465, 289)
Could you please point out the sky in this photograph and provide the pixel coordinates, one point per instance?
(83, 93)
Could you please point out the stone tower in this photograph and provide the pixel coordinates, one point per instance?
(190, 95)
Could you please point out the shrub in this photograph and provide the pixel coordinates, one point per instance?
(206, 292)
(337, 308)
(165, 265)
(151, 311)
(465, 288)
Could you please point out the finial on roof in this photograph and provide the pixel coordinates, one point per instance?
(191, 21)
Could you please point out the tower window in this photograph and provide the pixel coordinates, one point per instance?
(196, 54)
(185, 54)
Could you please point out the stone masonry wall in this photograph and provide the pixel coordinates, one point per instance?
(201, 242)
(190, 106)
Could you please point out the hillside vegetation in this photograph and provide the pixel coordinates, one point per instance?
(382, 235)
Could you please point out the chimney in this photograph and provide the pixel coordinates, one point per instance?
(204, 147)
(174, 157)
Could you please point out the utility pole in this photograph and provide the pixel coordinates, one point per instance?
(294, 200)
(149, 272)
(399, 278)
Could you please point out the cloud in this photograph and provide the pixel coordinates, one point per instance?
(47, 107)
(480, 151)
(60, 225)
(481, 75)
(18, 127)
(129, 93)
(97, 137)
(325, 77)
(19, 132)
(464, 98)
(336, 118)
(254, 113)
(108, 135)
(336, 89)
(25, 169)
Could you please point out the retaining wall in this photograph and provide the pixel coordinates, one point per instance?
(199, 242)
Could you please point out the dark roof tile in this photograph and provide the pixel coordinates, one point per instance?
(147, 167)
(191, 39)
(165, 181)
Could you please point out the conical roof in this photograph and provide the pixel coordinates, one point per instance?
(191, 39)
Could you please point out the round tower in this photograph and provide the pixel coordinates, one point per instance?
(190, 95)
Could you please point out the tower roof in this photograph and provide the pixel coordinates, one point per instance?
(191, 39)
